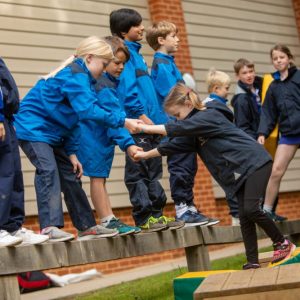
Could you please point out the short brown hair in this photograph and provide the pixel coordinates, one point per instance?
(285, 49)
(242, 62)
(159, 29)
(117, 44)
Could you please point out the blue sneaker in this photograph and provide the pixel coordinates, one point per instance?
(193, 219)
(122, 228)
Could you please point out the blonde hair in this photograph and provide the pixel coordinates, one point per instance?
(159, 29)
(89, 46)
(216, 78)
(179, 94)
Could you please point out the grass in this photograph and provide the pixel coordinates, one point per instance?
(158, 287)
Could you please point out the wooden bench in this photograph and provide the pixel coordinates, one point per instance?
(278, 283)
(56, 255)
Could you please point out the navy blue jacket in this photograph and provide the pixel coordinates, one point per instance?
(246, 109)
(229, 153)
(136, 91)
(282, 105)
(9, 102)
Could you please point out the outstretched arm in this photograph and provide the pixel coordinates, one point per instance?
(154, 129)
(145, 155)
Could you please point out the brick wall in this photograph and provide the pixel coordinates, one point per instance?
(289, 204)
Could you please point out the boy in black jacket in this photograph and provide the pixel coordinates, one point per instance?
(11, 178)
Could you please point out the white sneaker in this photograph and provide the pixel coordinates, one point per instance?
(6, 239)
(29, 237)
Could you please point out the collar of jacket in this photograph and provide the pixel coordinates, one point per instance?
(133, 45)
(164, 55)
(82, 64)
(291, 71)
(218, 98)
(113, 79)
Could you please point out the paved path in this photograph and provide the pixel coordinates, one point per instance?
(74, 289)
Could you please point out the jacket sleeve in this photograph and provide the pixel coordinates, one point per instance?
(1, 106)
(242, 117)
(10, 94)
(128, 92)
(177, 145)
(84, 102)
(163, 79)
(206, 124)
(120, 137)
(269, 114)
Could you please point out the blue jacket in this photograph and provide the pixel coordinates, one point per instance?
(50, 112)
(229, 153)
(246, 109)
(164, 74)
(9, 98)
(97, 142)
(136, 91)
(282, 105)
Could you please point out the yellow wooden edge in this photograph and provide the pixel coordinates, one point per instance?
(203, 274)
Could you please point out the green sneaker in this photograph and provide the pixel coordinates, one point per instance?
(152, 225)
(122, 228)
(171, 222)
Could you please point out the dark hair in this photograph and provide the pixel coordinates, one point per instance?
(242, 62)
(117, 45)
(285, 49)
(121, 20)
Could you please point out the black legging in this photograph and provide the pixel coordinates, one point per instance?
(249, 197)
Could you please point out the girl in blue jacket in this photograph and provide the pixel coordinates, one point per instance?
(97, 143)
(282, 106)
(48, 132)
(239, 164)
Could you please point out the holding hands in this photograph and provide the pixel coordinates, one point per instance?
(133, 150)
(132, 125)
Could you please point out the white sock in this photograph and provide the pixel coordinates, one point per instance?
(192, 208)
(267, 208)
(105, 221)
(181, 209)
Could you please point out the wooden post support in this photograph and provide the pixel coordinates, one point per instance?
(9, 288)
(197, 258)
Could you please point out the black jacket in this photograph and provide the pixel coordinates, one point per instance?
(9, 91)
(282, 105)
(228, 152)
(246, 110)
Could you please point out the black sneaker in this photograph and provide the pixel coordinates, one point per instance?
(279, 218)
(248, 266)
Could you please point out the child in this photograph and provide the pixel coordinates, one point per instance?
(162, 37)
(247, 99)
(48, 133)
(247, 105)
(218, 84)
(97, 143)
(11, 179)
(281, 105)
(238, 163)
(138, 96)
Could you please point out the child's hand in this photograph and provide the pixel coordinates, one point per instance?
(140, 155)
(2, 132)
(261, 140)
(77, 167)
(146, 120)
(132, 150)
(132, 125)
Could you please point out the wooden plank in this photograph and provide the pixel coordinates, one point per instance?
(54, 255)
(211, 284)
(197, 258)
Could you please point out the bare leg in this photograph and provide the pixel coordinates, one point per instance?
(100, 197)
(283, 156)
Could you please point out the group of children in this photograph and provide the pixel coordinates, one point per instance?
(78, 110)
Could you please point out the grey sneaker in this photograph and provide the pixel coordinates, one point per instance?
(171, 222)
(96, 232)
(152, 225)
(57, 235)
